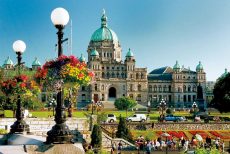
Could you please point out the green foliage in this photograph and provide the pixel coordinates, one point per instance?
(101, 117)
(3, 131)
(96, 136)
(122, 129)
(169, 111)
(204, 151)
(124, 103)
(221, 100)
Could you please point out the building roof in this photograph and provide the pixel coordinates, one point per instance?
(8, 61)
(163, 73)
(104, 33)
(199, 66)
(94, 52)
(129, 53)
(82, 58)
(36, 62)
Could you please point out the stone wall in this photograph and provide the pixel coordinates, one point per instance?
(173, 126)
(45, 124)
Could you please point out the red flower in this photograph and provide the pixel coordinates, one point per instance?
(91, 74)
(80, 75)
(22, 85)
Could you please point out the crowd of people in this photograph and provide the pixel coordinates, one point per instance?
(172, 143)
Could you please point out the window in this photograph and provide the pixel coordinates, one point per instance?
(131, 96)
(185, 100)
(95, 87)
(189, 98)
(164, 88)
(159, 89)
(194, 88)
(139, 97)
(169, 88)
(155, 88)
(131, 87)
(184, 88)
(139, 87)
(150, 88)
(123, 87)
(83, 97)
(142, 75)
(137, 76)
(189, 88)
(83, 88)
(103, 75)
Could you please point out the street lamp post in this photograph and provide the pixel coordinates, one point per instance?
(92, 103)
(149, 107)
(194, 106)
(19, 125)
(60, 132)
(53, 104)
(162, 106)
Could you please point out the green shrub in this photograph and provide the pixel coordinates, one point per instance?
(3, 131)
(96, 136)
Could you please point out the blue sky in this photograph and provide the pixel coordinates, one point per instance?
(159, 32)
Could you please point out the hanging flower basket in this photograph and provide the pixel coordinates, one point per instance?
(19, 85)
(65, 71)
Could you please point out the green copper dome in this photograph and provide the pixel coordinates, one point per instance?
(36, 62)
(176, 66)
(82, 58)
(94, 53)
(104, 33)
(8, 61)
(199, 66)
(129, 53)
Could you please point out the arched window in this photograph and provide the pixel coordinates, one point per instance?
(95, 87)
(184, 88)
(189, 88)
(113, 75)
(164, 88)
(137, 76)
(150, 88)
(194, 88)
(142, 76)
(159, 88)
(83, 97)
(169, 88)
(155, 88)
(108, 76)
(118, 75)
(103, 75)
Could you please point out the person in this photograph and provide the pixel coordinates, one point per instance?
(217, 143)
(113, 147)
(148, 147)
(208, 142)
(119, 148)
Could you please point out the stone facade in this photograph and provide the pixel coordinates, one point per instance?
(177, 86)
(114, 78)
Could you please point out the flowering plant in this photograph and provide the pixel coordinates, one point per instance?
(65, 70)
(19, 85)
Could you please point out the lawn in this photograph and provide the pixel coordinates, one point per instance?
(80, 114)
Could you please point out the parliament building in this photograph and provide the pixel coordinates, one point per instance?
(115, 77)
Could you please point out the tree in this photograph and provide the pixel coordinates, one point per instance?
(221, 100)
(96, 136)
(122, 129)
(169, 111)
(124, 103)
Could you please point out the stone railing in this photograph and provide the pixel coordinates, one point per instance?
(107, 142)
(41, 125)
(173, 126)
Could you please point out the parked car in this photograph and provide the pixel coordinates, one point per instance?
(111, 118)
(137, 118)
(171, 117)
